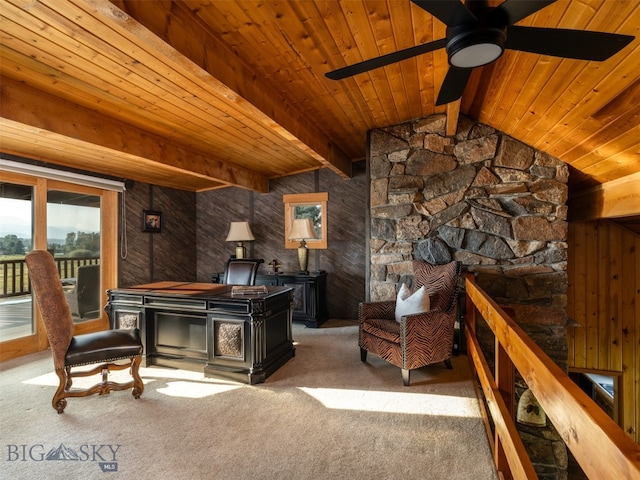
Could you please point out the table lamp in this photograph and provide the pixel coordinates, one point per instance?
(302, 229)
(240, 232)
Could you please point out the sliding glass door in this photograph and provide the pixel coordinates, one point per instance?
(73, 238)
(16, 240)
(78, 225)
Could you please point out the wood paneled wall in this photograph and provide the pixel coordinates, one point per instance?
(192, 244)
(152, 257)
(604, 299)
(344, 259)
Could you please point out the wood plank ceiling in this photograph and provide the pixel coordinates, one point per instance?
(198, 94)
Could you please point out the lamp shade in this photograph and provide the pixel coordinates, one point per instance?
(302, 228)
(240, 232)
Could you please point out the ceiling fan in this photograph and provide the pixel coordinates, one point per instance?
(478, 35)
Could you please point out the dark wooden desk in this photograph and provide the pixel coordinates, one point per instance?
(201, 326)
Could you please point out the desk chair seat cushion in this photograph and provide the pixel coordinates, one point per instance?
(105, 346)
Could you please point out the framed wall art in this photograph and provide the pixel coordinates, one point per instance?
(151, 221)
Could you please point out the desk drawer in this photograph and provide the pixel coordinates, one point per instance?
(158, 302)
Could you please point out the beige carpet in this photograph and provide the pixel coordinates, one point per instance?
(323, 415)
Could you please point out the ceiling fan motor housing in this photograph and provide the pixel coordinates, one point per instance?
(477, 35)
(470, 46)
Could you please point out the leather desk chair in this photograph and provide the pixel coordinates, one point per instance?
(241, 271)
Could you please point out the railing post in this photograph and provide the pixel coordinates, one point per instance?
(504, 377)
(470, 308)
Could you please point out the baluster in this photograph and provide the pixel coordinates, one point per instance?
(4, 278)
(13, 277)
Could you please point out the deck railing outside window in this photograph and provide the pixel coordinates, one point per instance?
(14, 276)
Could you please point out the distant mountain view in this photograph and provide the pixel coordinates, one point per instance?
(14, 226)
(54, 234)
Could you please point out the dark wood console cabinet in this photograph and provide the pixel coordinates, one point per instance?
(309, 294)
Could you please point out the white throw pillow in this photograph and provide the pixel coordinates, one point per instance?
(406, 304)
(403, 293)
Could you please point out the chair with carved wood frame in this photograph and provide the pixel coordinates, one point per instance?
(111, 349)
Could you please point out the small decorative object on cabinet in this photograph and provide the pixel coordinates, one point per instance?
(274, 266)
(309, 294)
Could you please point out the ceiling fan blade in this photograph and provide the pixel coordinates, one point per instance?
(385, 60)
(453, 85)
(451, 12)
(578, 44)
(512, 11)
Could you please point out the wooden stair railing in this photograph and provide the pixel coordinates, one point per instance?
(599, 445)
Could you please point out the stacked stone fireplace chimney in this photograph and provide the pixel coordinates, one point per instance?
(483, 198)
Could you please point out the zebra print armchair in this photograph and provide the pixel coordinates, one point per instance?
(419, 339)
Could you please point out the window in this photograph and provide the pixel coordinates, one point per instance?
(78, 225)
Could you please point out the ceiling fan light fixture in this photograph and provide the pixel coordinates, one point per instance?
(476, 48)
(475, 55)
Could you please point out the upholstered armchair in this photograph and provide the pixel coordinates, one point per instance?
(241, 271)
(110, 349)
(417, 339)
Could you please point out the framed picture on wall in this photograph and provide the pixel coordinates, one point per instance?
(151, 221)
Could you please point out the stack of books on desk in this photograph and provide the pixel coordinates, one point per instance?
(239, 290)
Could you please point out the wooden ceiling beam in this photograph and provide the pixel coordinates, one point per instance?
(615, 199)
(34, 108)
(34, 143)
(453, 114)
(184, 32)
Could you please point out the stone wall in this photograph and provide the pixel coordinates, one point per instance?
(482, 198)
(491, 202)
